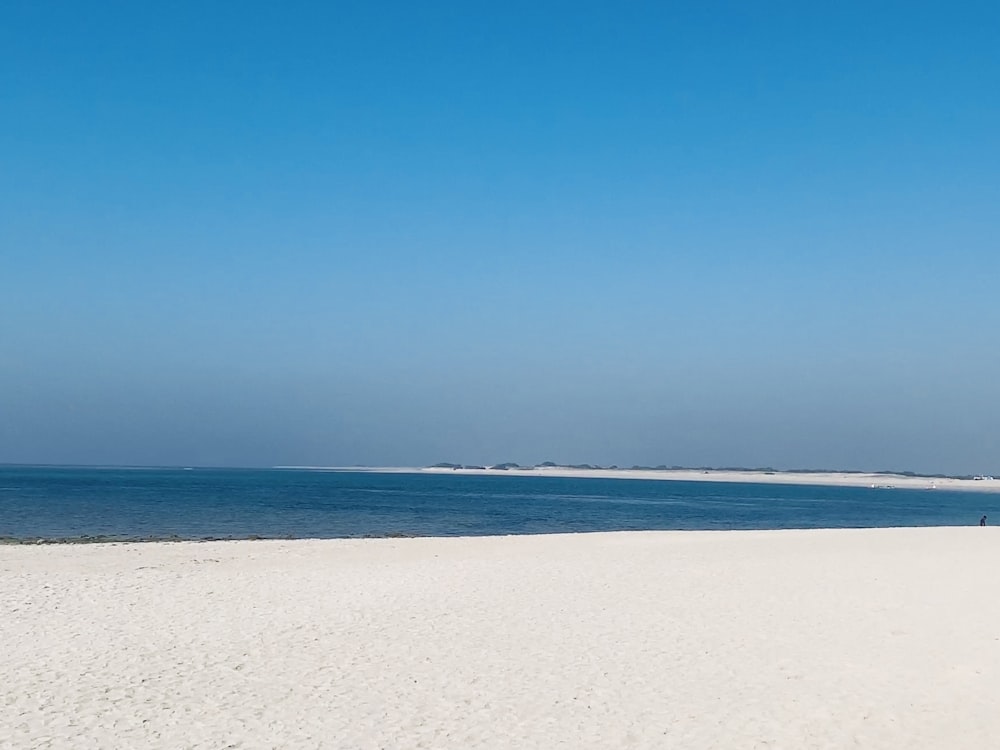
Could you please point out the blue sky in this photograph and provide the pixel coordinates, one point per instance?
(398, 233)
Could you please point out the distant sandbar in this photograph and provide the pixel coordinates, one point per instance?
(820, 478)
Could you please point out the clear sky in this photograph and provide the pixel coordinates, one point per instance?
(331, 233)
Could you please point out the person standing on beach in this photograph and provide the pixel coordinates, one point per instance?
(982, 521)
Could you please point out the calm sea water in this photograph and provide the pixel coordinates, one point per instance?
(57, 503)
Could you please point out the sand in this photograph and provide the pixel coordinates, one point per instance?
(821, 478)
(883, 638)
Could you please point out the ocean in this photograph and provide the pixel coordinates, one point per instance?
(138, 504)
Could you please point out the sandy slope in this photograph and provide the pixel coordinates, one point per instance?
(883, 638)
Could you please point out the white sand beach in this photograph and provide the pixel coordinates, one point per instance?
(884, 638)
(823, 478)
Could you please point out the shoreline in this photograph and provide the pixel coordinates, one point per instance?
(173, 540)
(816, 479)
(87, 539)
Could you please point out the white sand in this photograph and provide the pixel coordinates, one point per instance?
(885, 638)
(821, 478)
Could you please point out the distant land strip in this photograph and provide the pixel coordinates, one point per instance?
(765, 475)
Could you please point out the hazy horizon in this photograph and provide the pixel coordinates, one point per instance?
(384, 234)
(492, 466)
